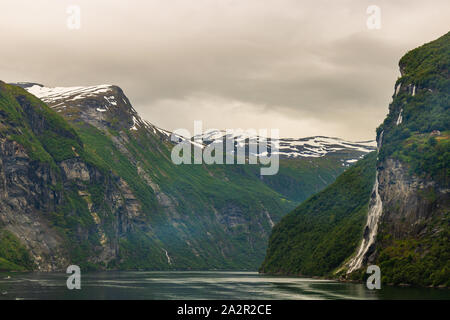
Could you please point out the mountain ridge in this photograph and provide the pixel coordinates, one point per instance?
(315, 146)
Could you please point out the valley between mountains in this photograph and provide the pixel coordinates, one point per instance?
(85, 180)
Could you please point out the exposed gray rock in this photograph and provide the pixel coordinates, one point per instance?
(407, 209)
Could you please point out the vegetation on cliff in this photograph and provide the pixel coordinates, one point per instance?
(421, 138)
(412, 244)
(13, 254)
(420, 253)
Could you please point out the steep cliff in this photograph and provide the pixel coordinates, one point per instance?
(49, 202)
(407, 221)
(413, 172)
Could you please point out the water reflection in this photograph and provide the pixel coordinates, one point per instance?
(197, 285)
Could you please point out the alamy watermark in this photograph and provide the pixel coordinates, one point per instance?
(374, 20)
(74, 17)
(74, 280)
(236, 146)
(374, 280)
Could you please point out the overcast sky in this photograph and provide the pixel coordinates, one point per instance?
(305, 67)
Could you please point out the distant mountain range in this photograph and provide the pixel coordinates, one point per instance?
(61, 97)
(310, 147)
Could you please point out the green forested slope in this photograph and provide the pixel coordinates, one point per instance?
(323, 231)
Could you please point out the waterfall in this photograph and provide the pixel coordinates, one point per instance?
(371, 228)
(272, 224)
(397, 89)
(169, 261)
(400, 117)
(380, 140)
(370, 231)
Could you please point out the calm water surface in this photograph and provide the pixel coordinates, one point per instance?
(196, 285)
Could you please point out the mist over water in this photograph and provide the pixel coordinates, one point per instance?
(197, 285)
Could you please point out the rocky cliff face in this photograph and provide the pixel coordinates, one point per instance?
(410, 202)
(403, 225)
(24, 188)
(413, 179)
(30, 202)
(37, 194)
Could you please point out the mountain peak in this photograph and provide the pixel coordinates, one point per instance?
(49, 95)
(102, 105)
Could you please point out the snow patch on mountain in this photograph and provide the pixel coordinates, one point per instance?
(310, 147)
(48, 95)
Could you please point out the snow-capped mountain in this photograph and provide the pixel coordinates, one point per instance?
(109, 99)
(98, 103)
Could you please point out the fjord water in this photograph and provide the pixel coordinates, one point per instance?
(196, 285)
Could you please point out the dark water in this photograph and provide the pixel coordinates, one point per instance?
(196, 285)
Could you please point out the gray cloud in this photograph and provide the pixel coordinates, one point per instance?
(306, 67)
